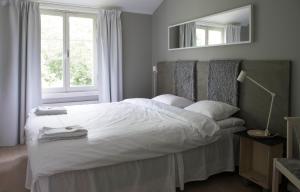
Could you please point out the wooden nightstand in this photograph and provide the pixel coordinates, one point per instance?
(256, 158)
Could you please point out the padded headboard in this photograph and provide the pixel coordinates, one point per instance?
(253, 101)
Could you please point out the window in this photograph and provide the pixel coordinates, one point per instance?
(215, 36)
(201, 37)
(68, 56)
(207, 35)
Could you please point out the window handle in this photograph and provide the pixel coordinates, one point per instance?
(68, 54)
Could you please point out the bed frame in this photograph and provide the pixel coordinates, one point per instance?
(254, 103)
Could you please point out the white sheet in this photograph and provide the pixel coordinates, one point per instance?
(118, 132)
(157, 174)
(221, 156)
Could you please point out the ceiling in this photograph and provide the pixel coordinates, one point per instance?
(135, 6)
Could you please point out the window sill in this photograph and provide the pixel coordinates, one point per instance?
(70, 97)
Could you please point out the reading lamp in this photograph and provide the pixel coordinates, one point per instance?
(241, 78)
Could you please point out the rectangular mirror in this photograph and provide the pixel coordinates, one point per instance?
(226, 28)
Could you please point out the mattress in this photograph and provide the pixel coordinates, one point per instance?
(160, 174)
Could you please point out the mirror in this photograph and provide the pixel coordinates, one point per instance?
(226, 28)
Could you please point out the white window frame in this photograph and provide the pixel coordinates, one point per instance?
(67, 89)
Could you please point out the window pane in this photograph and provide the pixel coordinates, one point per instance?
(200, 34)
(214, 37)
(52, 51)
(81, 51)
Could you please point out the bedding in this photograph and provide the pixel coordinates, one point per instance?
(231, 122)
(173, 100)
(160, 174)
(118, 132)
(213, 109)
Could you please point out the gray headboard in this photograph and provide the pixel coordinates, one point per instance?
(253, 101)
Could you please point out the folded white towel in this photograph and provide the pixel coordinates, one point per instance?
(44, 110)
(63, 133)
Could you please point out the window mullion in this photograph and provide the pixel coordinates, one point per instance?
(67, 54)
(206, 36)
(96, 67)
(64, 52)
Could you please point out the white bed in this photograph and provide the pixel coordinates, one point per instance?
(135, 145)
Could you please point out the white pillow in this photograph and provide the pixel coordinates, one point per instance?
(231, 122)
(173, 100)
(213, 109)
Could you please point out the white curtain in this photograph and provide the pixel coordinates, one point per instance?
(20, 79)
(187, 35)
(233, 33)
(109, 41)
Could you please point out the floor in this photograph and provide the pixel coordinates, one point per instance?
(13, 170)
(225, 182)
(13, 162)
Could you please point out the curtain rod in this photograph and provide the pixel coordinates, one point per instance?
(71, 7)
(66, 7)
(65, 4)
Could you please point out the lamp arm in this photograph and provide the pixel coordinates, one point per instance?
(270, 113)
(259, 85)
(271, 105)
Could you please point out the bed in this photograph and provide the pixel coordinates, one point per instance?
(130, 159)
(161, 130)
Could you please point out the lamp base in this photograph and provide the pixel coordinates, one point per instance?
(260, 133)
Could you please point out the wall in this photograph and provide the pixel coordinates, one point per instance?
(276, 34)
(137, 54)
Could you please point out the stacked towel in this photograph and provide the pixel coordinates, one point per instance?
(64, 133)
(44, 110)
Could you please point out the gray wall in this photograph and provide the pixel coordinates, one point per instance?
(137, 55)
(276, 34)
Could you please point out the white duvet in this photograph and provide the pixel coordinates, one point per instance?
(119, 132)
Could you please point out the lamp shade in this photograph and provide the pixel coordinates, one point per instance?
(242, 76)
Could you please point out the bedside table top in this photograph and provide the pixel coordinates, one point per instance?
(266, 141)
